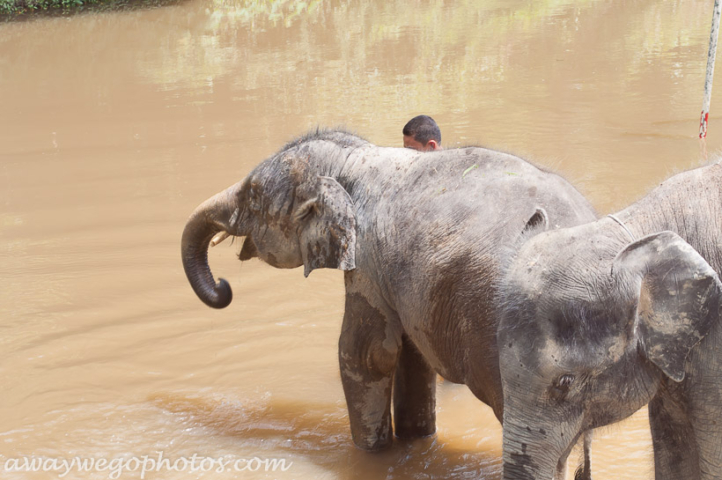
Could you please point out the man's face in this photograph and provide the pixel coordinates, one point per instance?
(411, 142)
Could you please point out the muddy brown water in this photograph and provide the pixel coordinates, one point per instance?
(114, 126)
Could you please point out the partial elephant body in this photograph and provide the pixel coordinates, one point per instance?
(439, 232)
(690, 205)
(420, 236)
(630, 315)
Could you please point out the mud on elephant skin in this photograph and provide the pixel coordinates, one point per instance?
(599, 320)
(419, 236)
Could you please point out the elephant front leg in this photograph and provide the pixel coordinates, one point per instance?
(584, 471)
(675, 452)
(368, 354)
(414, 394)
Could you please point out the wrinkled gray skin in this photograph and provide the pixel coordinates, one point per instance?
(595, 325)
(419, 237)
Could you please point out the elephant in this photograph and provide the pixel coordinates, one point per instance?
(419, 236)
(598, 320)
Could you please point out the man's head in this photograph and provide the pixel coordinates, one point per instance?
(422, 133)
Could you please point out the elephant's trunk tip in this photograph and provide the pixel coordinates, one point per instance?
(223, 295)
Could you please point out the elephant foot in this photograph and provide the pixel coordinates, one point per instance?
(376, 442)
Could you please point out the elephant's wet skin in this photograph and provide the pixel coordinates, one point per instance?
(600, 319)
(420, 237)
(368, 359)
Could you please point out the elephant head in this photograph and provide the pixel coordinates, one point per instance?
(586, 336)
(289, 215)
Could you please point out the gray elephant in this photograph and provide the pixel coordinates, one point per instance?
(419, 236)
(600, 319)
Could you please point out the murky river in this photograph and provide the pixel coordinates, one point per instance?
(114, 126)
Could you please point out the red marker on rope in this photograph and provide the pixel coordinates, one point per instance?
(710, 70)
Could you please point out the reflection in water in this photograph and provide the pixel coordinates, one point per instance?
(116, 125)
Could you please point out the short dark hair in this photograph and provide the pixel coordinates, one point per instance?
(423, 128)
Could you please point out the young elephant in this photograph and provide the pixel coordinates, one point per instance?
(419, 237)
(599, 320)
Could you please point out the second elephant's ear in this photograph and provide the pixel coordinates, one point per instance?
(678, 298)
(328, 223)
(538, 221)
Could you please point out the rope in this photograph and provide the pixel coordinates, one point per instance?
(710, 69)
(631, 235)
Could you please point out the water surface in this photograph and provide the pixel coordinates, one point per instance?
(114, 126)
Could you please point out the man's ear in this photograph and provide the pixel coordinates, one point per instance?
(432, 145)
(678, 298)
(328, 227)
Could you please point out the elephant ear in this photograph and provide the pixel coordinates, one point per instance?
(678, 298)
(328, 222)
(538, 222)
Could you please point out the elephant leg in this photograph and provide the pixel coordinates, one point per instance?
(675, 451)
(368, 354)
(584, 472)
(414, 394)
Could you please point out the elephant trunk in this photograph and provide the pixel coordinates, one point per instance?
(533, 453)
(219, 213)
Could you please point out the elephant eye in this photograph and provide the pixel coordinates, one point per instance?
(565, 381)
(562, 385)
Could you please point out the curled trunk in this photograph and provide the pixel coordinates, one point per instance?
(217, 214)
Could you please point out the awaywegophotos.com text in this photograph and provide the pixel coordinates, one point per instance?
(144, 466)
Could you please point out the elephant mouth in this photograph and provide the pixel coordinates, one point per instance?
(248, 250)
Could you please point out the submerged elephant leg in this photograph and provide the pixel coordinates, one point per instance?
(414, 394)
(368, 353)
